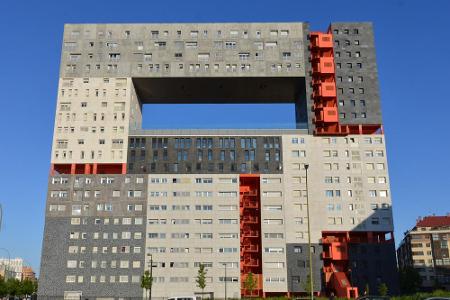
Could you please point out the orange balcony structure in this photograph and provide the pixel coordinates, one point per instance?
(323, 65)
(250, 233)
(327, 115)
(336, 265)
(321, 40)
(324, 94)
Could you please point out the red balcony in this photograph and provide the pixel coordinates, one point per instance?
(324, 65)
(249, 233)
(250, 219)
(251, 263)
(325, 89)
(250, 248)
(250, 204)
(327, 115)
(321, 40)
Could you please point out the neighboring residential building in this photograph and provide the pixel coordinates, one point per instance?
(234, 200)
(28, 273)
(426, 248)
(11, 268)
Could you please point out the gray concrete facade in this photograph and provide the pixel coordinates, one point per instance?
(356, 73)
(94, 236)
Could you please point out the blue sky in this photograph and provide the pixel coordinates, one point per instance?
(413, 46)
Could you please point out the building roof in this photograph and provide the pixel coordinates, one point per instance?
(434, 221)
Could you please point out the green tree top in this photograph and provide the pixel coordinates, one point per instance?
(383, 289)
(201, 277)
(249, 283)
(146, 281)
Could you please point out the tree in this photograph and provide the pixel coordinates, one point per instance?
(306, 285)
(201, 277)
(28, 287)
(3, 290)
(410, 280)
(366, 289)
(383, 289)
(13, 287)
(249, 283)
(146, 282)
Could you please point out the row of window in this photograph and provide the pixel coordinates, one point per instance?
(106, 221)
(354, 166)
(102, 279)
(88, 92)
(223, 155)
(373, 221)
(362, 103)
(209, 235)
(188, 167)
(125, 235)
(154, 34)
(353, 206)
(205, 56)
(345, 43)
(101, 129)
(117, 106)
(349, 193)
(80, 195)
(367, 153)
(73, 249)
(206, 143)
(89, 180)
(72, 68)
(105, 207)
(354, 140)
(122, 264)
(136, 279)
(354, 31)
(87, 117)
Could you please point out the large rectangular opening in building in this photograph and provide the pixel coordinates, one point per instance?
(222, 102)
(220, 116)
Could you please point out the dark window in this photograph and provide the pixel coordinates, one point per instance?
(252, 154)
(232, 155)
(210, 154)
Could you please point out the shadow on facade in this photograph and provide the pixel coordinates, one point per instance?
(361, 258)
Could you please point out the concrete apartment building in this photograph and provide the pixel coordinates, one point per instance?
(28, 274)
(426, 248)
(11, 268)
(234, 200)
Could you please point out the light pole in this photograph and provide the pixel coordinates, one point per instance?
(9, 262)
(311, 280)
(225, 279)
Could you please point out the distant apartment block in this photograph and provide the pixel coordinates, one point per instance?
(233, 200)
(11, 268)
(426, 248)
(28, 273)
